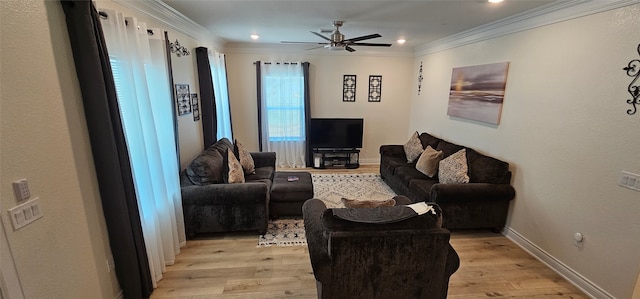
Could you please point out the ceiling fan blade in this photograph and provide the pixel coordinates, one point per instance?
(370, 45)
(349, 49)
(314, 43)
(314, 48)
(320, 35)
(359, 38)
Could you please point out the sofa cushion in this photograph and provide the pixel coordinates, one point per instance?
(234, 173)
(364, 203)
(453, 169)
(484, 169)
(408, 173)
(427, 139)
(261, 173)
(413, 148)
(206, 169)
(421, 189)
(448, 148)
(244, 157)
(428, 161)
(382, 218)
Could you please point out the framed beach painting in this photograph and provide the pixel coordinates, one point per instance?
(477, 92)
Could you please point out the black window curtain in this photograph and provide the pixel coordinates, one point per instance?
(207, 98)
(109, 149)
(307, 109)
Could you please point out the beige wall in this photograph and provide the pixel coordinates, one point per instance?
(384, 122)
(45, 140)
(566, 133)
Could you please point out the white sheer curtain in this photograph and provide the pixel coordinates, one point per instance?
(144, 96)
(221, 93)
(283, 113)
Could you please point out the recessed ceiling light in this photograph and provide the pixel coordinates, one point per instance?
(255, 36)
(495, 1)
(402, 41)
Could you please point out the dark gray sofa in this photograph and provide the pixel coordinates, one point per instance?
(481, 203)
(378, 253)
(211, 205)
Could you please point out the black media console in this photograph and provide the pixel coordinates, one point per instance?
(336, 158)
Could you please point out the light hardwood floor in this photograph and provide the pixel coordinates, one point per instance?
(232, 266)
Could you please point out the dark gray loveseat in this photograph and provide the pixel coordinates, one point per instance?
(481, 203)
(211, 205)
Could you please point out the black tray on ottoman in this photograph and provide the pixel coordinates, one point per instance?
(289, 191)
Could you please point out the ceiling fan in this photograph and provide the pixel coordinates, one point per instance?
(337, 41)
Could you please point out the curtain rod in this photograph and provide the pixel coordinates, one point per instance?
(104, 15)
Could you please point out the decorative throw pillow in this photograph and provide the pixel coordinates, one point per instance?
(429, 161)
(206, 169)
(453, 169)
(234, 169)
(245, 158)
(354, 203)
(413, 148)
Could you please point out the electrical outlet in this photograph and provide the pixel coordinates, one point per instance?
(629, 180)
(21, 189)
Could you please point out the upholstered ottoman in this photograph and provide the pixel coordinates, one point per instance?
(289, 191)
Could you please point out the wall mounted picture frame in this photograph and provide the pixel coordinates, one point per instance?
(349, 88)
(183, 99)
(195, 106)
(477, 92)
(375, 88)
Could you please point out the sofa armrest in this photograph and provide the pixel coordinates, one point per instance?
(225, 194)
(455, 193)
(263, 159)
(392, 150)
(317, 241)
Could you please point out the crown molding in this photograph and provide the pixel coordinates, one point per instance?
(248, 48)
(558, 11)
(166, 15)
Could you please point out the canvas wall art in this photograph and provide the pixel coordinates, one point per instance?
(477, 92)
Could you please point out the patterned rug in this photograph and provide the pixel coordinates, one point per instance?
(330, 188)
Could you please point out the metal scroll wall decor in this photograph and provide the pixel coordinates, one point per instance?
(349, 88)
(179, 49)
(420, 78)
(375, 88)
(633, 70)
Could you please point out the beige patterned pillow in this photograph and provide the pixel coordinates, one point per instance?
(453, 169)
(235, 174)
(413, 148)
(245, 158)
(429, 161)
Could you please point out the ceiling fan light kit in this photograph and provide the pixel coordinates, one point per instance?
(337, 42)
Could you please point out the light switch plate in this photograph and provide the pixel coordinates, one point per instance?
(25, 213)
(629, 180)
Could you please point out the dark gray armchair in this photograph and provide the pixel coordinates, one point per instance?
(407, 257)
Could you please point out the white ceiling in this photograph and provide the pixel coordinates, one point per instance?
(417, 21)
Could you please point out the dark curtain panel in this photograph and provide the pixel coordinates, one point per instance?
(207, 98)
(259, 97)
(307, 113)
(109, 149)
(167, 53)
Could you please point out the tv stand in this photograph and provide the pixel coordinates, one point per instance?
(336, 158)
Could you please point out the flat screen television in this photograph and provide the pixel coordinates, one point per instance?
(340, 133)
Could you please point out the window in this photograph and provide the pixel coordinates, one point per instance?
(285, 108)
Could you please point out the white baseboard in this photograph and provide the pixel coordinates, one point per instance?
(579, 281)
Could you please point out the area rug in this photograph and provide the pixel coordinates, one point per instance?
(330, 188)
